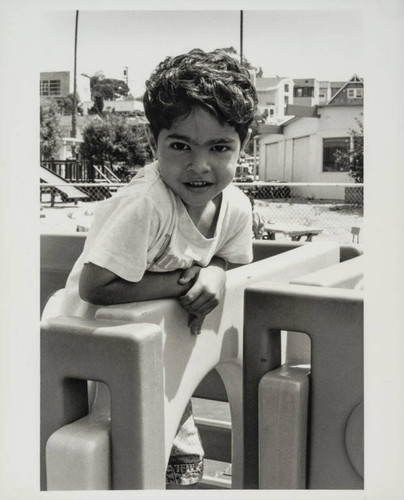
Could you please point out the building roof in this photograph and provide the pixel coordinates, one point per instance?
(267, 83)
(354, 79)
(337, 84)
(304, 82)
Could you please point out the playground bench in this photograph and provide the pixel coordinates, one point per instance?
(295, 232)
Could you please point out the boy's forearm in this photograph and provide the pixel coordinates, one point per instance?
(218, 262)
(152, 286)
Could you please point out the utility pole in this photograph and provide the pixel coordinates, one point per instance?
(74, 113)
(241, 37)
(125, 74)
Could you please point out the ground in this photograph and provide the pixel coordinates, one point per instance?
(335, 219)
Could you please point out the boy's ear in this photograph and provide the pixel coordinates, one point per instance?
(245, 142)
(152, 142)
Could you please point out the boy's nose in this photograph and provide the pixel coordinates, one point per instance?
(199, 164)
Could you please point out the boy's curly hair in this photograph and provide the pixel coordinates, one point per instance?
(213, 80)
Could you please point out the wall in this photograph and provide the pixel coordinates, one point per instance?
(276, 98)
(296, 155)
(119, 106)
(342, 97)
(63, 76)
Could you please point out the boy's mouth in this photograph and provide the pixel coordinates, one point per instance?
(198, 184)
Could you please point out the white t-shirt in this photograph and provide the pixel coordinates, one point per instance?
(145, 226)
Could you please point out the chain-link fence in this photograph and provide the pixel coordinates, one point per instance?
(291, 210)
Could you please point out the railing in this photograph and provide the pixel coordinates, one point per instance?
(337, 209)
(80, 171)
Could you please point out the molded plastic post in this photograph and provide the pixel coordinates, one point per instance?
(128, 358)
(333, 318)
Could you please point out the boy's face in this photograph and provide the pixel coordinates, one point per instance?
(198, 156)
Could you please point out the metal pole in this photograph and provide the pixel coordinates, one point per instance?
(255, 138)
(74, 113)
(241, 37)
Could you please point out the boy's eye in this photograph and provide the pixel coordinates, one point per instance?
(220, 148)
(179, 146)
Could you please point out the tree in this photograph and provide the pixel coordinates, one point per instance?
(67, 105)
(108, 88)
(115, 139)
(352, 157)
(50, 129)
(98, 107)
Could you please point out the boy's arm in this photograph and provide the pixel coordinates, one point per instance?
(100, 286)
(206, 292)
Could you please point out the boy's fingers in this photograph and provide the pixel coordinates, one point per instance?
(195, 324)
(207, 308)
(194, 305)
(201, 307)
(188, 275)
(193, 294)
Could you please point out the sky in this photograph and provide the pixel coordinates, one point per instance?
(321, 44)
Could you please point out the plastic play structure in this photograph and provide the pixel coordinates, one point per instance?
(300, 422)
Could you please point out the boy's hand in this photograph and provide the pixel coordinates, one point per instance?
(188, 275)
(204, 295)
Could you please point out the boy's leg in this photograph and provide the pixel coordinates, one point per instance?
(185, 466)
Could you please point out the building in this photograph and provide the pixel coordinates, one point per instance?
(55, 84)
(302, 149)
(274, 95)
(325, 92)
(350, 93)
(306, 92)
(122, 106)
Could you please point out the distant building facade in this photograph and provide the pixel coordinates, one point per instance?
(121, 106)
(306, 92)
(54, 84)
(274, 95)
(302, 148)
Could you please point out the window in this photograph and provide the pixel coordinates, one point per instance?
(286, 87)
(330, 147)
(54, 87)
(50, 87)
(286, 98)
(44, 87)
(303, 92)
(355, 93)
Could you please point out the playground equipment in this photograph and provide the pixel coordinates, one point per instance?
(149, 339)
(323, 399)
(66, 189)
(79, 191)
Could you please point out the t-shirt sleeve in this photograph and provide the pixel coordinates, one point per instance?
(237, 248)
(123, 237)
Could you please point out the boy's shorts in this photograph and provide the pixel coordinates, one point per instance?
(185, 465)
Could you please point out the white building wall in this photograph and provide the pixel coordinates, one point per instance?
(304, 137)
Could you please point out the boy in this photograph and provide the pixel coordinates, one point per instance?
(172, 230)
